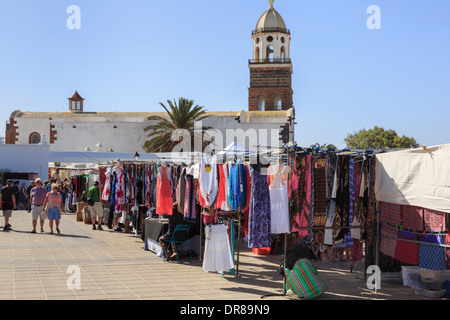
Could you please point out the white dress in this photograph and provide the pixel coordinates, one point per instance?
(208, 179)
(217, 256)
(279, 198)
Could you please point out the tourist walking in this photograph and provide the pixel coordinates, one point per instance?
(96, 207)
(22, 205)
(16, 193)
(31, 186)
(53, 206)
(37, 198)
(8, 201)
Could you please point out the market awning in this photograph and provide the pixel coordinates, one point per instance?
(418, 177)
(98, 157)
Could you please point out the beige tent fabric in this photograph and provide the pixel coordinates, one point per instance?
(418, 177)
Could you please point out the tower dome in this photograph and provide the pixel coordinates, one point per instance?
(271, 21)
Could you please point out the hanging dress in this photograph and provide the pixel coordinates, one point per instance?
(259, 216)
(163, 192)
(217, 256)
(301, 220)
(226, 203)
(279, 200)
(120, 189)
(107, 186)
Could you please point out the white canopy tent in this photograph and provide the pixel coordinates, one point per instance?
(97, 157)
(418, 177)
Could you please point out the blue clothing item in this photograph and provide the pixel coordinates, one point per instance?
(243, 185)
(432, 257)
(234, 193)
(53, 214)
(259, 222)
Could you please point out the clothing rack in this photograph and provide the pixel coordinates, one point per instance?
(236, 246)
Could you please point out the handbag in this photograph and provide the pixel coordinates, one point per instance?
(91, 202)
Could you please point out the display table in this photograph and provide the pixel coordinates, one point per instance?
(153, 229)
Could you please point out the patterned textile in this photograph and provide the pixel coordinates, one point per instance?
(119, 189)
(390, 213)
(301, 207)
(106, 193)
(342, 199)
(388, 246)
(407, 252)
(371, 209)
(356, 251)
(412, 217)
(434, 220)
(259, 216)
(304, 280)
(189, 200)
(448, 251)
(432, 257)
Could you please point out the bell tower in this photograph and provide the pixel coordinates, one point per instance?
(271, 68)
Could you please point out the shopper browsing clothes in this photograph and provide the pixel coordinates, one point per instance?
(97, 207)
(54, 206)
(37, 198)
(8, 201)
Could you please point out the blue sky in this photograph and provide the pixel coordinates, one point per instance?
(130, 55)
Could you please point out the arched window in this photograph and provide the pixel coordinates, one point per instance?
(257, 54)
(269, 53)
(261, 104)
(278, 103)
(35, 138)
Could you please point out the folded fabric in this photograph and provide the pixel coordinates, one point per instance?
(407, 252)
(434, 220)
(412, 217)
(387, 246)
(391, 213)
(432, 257)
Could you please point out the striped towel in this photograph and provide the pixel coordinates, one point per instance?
(304, 280)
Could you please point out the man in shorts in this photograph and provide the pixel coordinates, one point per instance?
(97, 209)
(8, 201)
(37, 197)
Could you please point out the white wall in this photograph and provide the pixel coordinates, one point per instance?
(77, 133)
(25, 158)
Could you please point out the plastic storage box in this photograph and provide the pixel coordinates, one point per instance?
(434, 294)
(411, 276)
(431, 279)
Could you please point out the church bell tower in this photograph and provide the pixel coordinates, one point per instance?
(271, 68)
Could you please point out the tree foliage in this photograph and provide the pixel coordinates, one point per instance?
(181, 115)
(378, 138)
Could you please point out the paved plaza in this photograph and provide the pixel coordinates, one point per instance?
(115, 265)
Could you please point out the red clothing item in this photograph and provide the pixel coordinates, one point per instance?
(164, 200)
(221, 193)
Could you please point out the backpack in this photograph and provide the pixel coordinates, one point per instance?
(304, 280)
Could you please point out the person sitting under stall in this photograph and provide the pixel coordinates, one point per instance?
(175, 219)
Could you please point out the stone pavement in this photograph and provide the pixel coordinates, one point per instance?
(115, 266)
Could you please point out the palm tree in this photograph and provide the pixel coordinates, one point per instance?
(181, 116)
